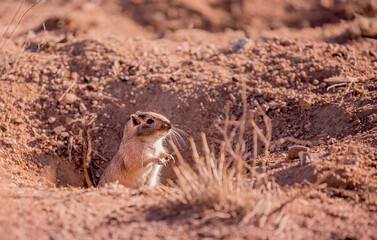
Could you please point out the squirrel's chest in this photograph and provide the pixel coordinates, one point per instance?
(155, 150)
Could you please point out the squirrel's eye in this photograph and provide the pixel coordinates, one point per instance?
(150, 121)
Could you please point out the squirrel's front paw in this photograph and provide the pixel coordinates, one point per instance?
(161, 161)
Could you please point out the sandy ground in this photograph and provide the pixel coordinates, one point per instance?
(311, 65)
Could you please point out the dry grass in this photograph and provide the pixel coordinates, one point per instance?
(8, 33)
(221, 177)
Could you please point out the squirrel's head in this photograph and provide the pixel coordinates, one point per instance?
(149, 126)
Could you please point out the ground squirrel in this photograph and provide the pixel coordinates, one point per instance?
(141, 153)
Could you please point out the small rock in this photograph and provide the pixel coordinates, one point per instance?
(353, 150)
(352, 161)
(51, 120)
(4, 127)
(91, 87)
(64, 134)
(305, 103)
(315, 82)
(286, 42)
(305, 158)
(43, 97)
(18, 120)
(75, 76)
(70, 98)
(9, 141)
(69, 120)
(239, 44)
(322, 85)
(82, 108)
(273, 105)
(54, 143)
(334, 150)
(59, 129)
(43, 137)
(99, 97)
(293, 151)
(160, 79)
(11, 77)
(35, 77)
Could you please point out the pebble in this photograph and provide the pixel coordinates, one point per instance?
(35, 77)
(18, 120)
(64, 134)
(4, 127)
(69, 120)
(334, 150)
(51, 120)
(43, 137)
(353, 150)
(70, 98)
(274, 105)
(293, 151)
(305, 158)
(305, 103)
(43, 97)
(59, 129)
(75, 76)
(82, 108)
(91, 87)
(9, 141)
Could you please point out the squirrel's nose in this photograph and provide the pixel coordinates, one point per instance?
(167, 125)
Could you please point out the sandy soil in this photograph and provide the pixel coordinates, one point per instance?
(311, 65)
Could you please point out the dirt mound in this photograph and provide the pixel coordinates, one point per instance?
(218, 15)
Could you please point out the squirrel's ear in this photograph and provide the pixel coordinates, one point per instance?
(135, 119)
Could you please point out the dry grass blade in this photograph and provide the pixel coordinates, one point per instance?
(216, 179)
(280, 141)
(268, 124)
(11, 22)
(87, 149)
(18, 23)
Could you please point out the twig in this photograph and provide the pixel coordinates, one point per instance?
(97, 165)
(86, 151)
(352, 83)
(337, 85)
(70, 144)
(267, 122)
(99, 155)
(66, 91)
(289, 139)
(240, 147)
